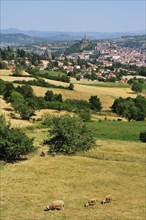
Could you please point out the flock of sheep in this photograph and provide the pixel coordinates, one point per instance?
(59, 204)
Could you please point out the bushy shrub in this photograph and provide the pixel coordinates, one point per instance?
(77, 104)
(2, 86)
(71, 86)
(39, 82)
(9, 87)
(85, 115)
(50, 96)
(95, 103)
(62, 78)
(137, 87)
(70, 135)
(142, 136)
(13, 142)
(130, 108)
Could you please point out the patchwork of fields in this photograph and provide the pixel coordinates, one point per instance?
(106, 94)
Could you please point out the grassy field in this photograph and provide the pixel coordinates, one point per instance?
(111, 85)
(108, 85)
(117, 130)
(53, 73)
(114, 167)
(104, 130)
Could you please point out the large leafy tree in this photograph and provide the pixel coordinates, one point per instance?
(17, 100)
(142, 136)
(130, 108)
(140, 103)
(137, 87)
(17, 71)
(95, 103)
(13, 142)
(9, 87)
(26, 91)
(2, 86)
(49, 96)
(21, 105)
(70, 135)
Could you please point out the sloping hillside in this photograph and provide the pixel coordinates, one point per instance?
(28, 186)
(18, 39)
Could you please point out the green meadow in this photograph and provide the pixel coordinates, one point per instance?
(117, 130)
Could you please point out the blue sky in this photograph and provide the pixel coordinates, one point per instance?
(96, 16)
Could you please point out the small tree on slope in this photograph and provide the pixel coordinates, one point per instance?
(13, 142)
(70, 135)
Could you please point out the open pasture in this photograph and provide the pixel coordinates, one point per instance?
(9, 73)
(28, 186)
(114, 167)
(5, 72)
(117, 130)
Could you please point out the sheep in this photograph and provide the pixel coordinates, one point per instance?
(107, 199)
(43, 153)
(53, 154)
(55, 205)
(90, 202)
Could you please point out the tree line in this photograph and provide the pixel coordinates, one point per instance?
(130, 108)
(26, 103)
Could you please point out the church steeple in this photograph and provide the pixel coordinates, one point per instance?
(47, 54)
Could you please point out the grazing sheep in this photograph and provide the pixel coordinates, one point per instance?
(55, 205)
(53, 154)
(107, 199)
(91, 202)
(43, 153)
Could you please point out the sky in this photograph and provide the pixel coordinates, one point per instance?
(75, 16)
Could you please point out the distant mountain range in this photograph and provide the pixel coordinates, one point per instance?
(62, 35)
(20, 39)
(16, 36)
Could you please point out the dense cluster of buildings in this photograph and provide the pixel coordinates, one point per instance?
(123, 55)
(106, 55)
(101, 60)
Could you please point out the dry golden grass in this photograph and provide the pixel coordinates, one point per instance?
(5, 72)
(9, 73)
(114, 167)
(12, 78)
(106, 95)
(42, 112)
(28, 186)
(118, 151)
(6, 110)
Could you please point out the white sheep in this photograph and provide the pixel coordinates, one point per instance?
(55, 205)
(107, 199)
(90, 202)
